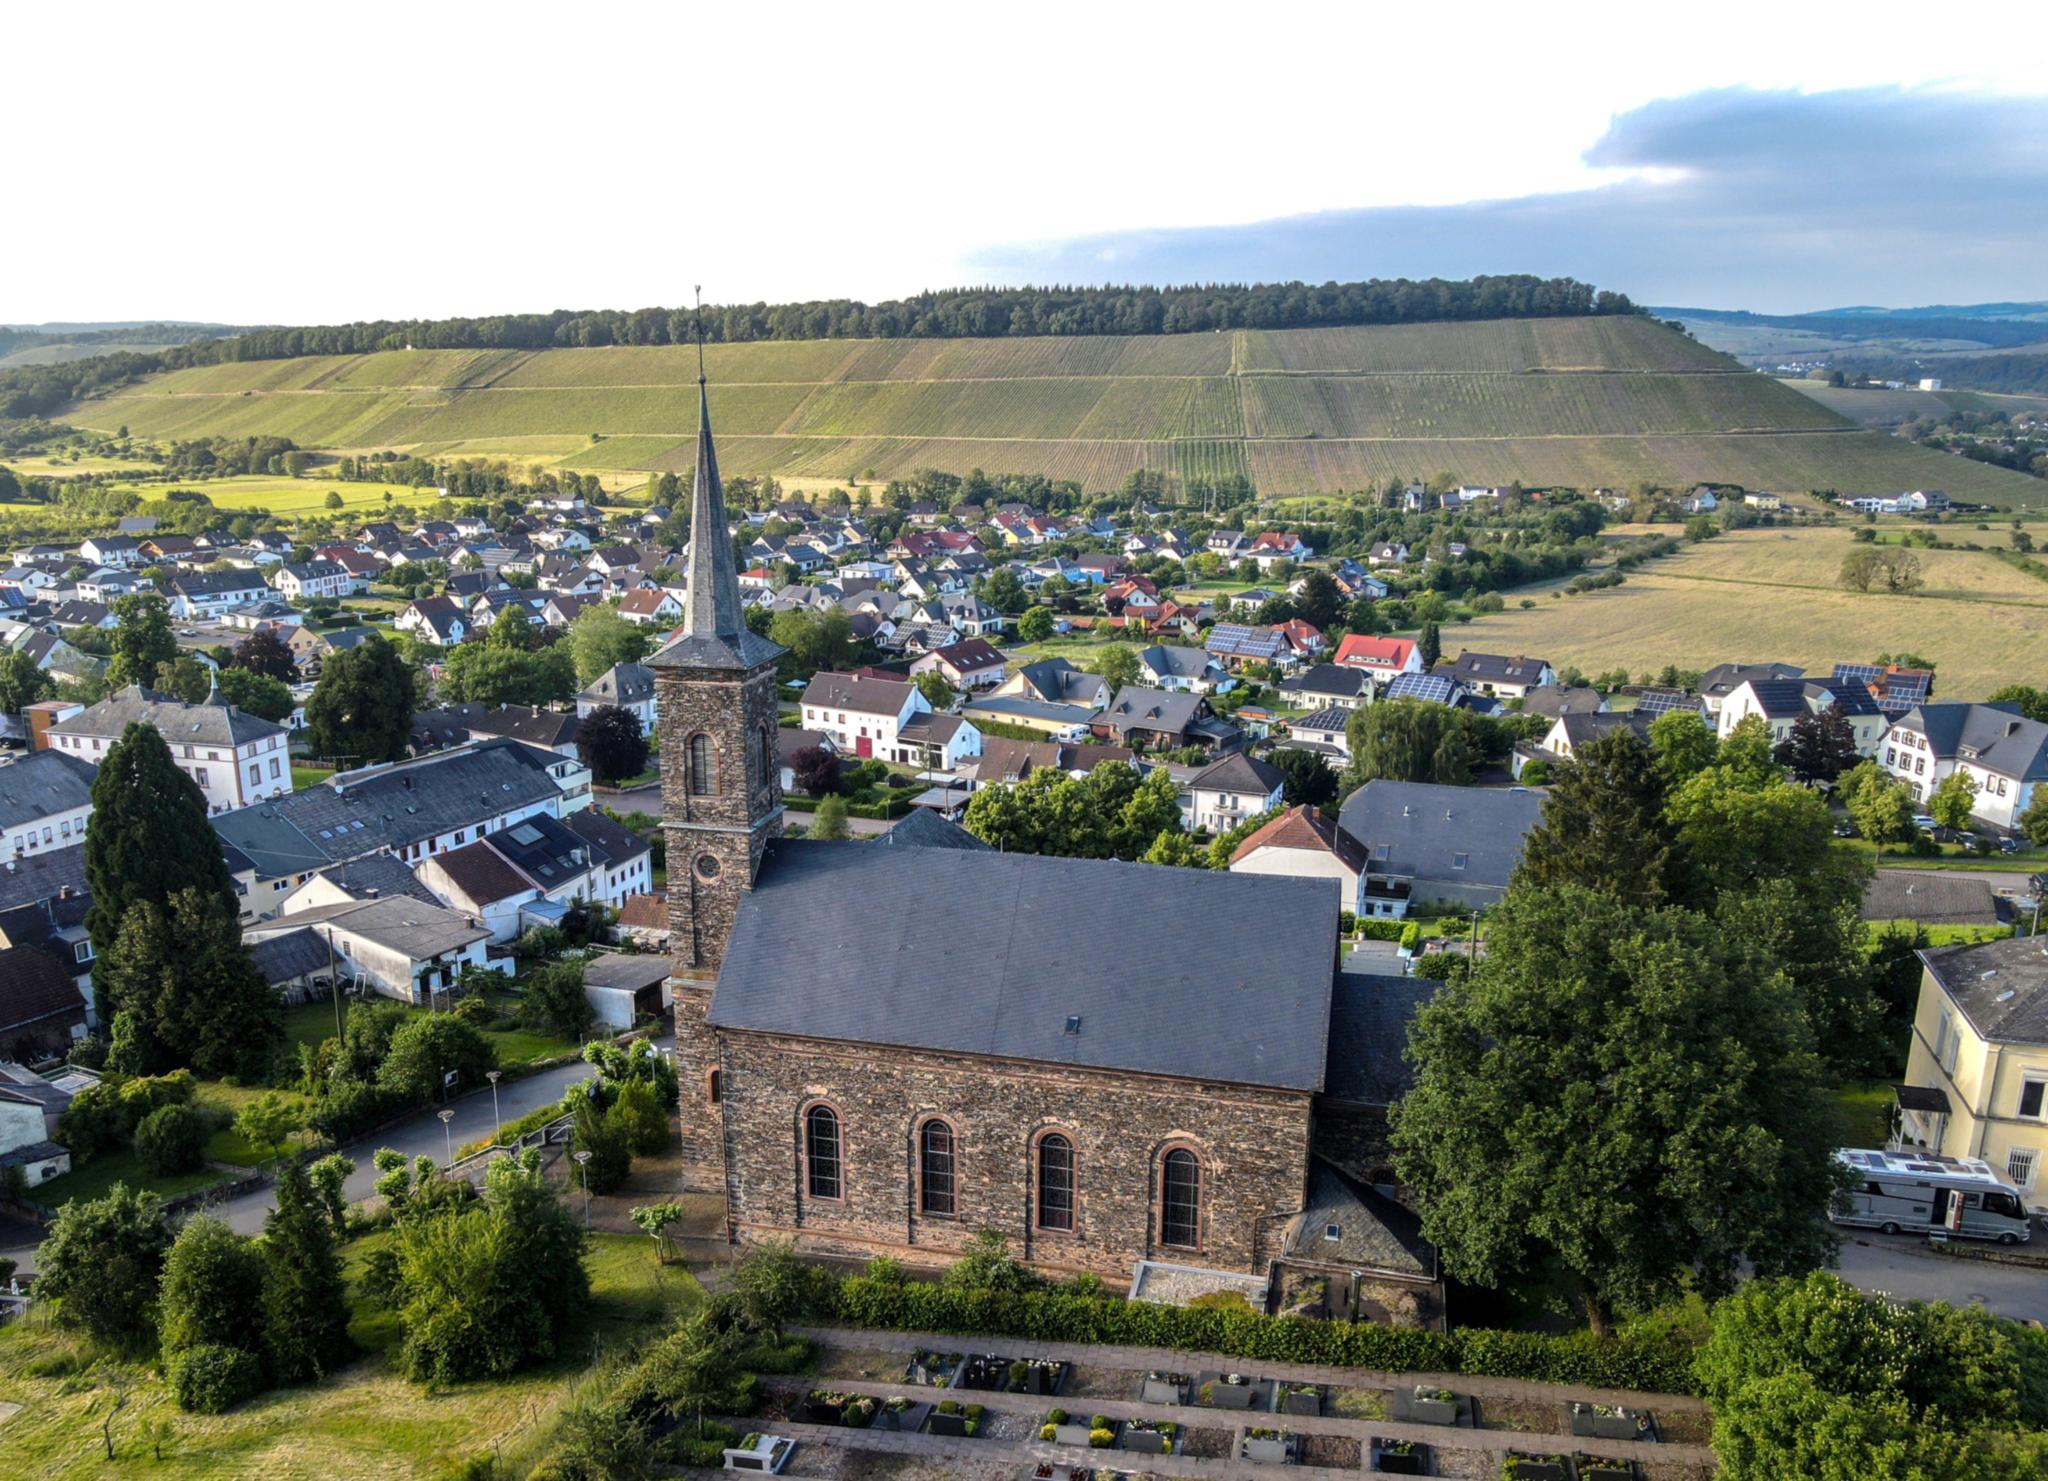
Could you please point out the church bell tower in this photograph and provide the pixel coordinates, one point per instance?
(721, 785)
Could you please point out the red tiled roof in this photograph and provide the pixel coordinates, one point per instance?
(645, 912)
(1304, 828)
(1361, 651)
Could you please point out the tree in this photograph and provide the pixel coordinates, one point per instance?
(150, 836)
(1603, 826)
(361, 710)
(256, 694)
(1310, 781)
(637, 1113)
(2034, 821)
(937, 691)
(264, 652)
(1879, 804)
(186, 992)
(512, 628)
(1410, 740)
(1953, 802)
(829, 821)
(1110, 813)
(212, 1292)
(1319, 602)
(1430, 645)
(1683, 744)
(771, 1285)
(269, 1121)
(610, 742)
(481, 674)
(1862, 568)
(600, 639)
(184, 677)
(486, 1287)
(556, 1003)
(1821, 746)
(142, 639)
(171, 1140)
(1005, 592)
(609, 1143)
(2029, 701)
(305, 1298)
(1629, 1095)
(22, 683)
(815, 770)
(102, 1262)
(428, 1046)
(1036, 625)
(815, 640)
(1118, 665)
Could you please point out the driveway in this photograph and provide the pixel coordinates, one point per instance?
(421, 1135)
(1902, 1265)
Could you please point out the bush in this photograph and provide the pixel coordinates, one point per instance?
(474, 1010)
(211, 1379)
(637, 1113)
(172, 1139)
(1374, 928)
(352, 1108)
(555, 1002)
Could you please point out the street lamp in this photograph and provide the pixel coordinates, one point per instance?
(497, 1122)
(446, 1116)
(583, 1161)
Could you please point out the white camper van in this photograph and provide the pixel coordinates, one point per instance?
(1908, 1192)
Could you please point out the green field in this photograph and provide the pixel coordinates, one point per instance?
(365, 1421)
(1587, 402)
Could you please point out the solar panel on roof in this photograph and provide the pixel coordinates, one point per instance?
(1663, 701)
(526, 834)
(1432, 687)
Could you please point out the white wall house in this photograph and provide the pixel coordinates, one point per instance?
(401, 948)
(45, 798)
(1231, 791)
(313, 579)
(236, 758)
(208, 594)
(1999, 749)
(863, 716)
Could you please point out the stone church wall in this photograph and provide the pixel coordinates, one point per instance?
(1253, 1145)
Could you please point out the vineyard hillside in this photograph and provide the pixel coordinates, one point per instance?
(1585, 401)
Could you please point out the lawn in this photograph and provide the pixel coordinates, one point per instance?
(309, 776)
(120, 1166)
(311, 1023)
(367, 1421)
(1863, 1114)
(228, 1144)
(288, 496)
(1753, 597)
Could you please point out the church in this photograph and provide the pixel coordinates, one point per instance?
(888, 1045)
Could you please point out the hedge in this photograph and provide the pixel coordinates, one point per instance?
(886, 809)
(1650, 1364)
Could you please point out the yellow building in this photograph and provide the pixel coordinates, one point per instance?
(1977, 1072)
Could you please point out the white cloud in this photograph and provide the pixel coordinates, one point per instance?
(294, 164)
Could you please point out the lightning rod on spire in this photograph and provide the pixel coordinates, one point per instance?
(698, 290)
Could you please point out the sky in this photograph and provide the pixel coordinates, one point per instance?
(316, 164)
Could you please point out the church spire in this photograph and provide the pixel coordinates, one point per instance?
(714, 632)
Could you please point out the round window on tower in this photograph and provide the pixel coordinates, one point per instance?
(707, 867)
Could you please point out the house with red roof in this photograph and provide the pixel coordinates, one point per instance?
(1303, 844)
(1385, 659)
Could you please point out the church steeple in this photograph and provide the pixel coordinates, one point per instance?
(721, 773)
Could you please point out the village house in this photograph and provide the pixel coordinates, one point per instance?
(237, 759)
(971, 663)
(863, 716)
(45, 799)
(438, 620)
(650, 608)
(204, 595)
(1501, 677)
(1439, 847)
(312, 580)
(1303, 844)
(1230, 791)
(1150, 719)
(1326, 733)
(2003, 752)
(1384, 659)
(626, 686)
(399, 949)
(1976, 1082)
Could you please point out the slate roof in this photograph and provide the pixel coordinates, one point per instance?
(849, 692)
(969, 655)
(924, 828)
(42, 876)
(43, 784)
(1991, 737)
(1724, 679)
(205, 724)
(1238, 772)
(1175, 972)
(1369, 1017)
(1329, 679)
(621, 684)
(1172, 661)
(543, 849)
(1559, 699)
(1371, 1230)
(35, 986)
(295, 954)
(387, 807)
(1137, 708)
(1058, 680)
(1580, 729)
(610, 842)
(2000, 986)
(1424, 826)
(535, 726)
(378, 874)
(1496, 668)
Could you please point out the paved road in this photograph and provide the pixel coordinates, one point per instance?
(423, 1134)
(1901, 1265)
(640, 799)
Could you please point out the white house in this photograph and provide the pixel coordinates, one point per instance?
(971, 663)
(113, 550)
(1301, 844)
(207, 594)
(863, 715)
(1325, 733)
(1386, 659)
(650, 608)
(438, 620)
(236, 758)
(45, 798)
(1999, 749)
(25, 1137)
(1782, 703)
(628, 686)
(1231, 791)
(311, 580)
(401, 948)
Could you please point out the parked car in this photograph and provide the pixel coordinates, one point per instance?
(1924, 820)
(2008, 845)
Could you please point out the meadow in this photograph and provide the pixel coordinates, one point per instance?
(366, 1421)
(1770, 595)
(1584, 402)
